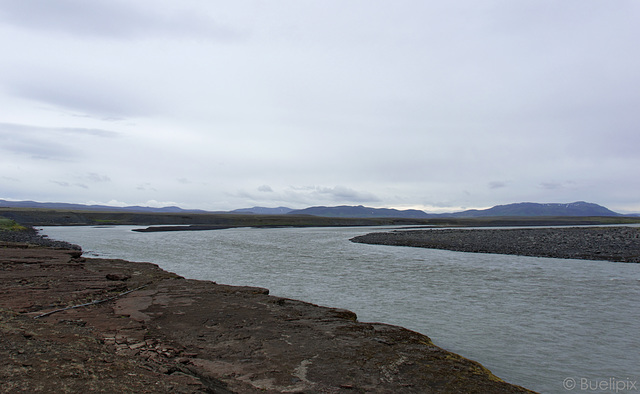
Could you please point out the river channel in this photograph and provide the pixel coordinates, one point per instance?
(546, 324)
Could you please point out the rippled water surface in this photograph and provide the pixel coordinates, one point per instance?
(532, 321)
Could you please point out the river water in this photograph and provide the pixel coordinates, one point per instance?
(545, 324)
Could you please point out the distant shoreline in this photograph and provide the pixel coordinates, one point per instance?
(617, 244)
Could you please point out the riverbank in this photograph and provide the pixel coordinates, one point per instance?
(29, 235)
(158, 332)
(619, 244)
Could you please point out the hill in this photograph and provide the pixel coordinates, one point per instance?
(346, 211)
(263, 211)
(579, 208)
(93, 208)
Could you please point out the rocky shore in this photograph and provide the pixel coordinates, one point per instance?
(31, 236)
(73, 324)
(620, 244)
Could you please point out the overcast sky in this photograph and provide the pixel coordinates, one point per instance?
(217, 105)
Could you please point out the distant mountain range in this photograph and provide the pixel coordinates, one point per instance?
(579, 208)
(83, 207)
(346, 211)
(263, 211)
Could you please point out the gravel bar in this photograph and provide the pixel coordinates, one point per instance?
(620, 244)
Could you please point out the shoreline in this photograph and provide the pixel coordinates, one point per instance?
(31, 236)
(616, 244)
(180, 335)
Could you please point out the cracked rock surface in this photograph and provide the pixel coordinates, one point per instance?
(187, 336)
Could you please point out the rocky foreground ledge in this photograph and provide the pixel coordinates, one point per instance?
(621, 244)
(70, 324)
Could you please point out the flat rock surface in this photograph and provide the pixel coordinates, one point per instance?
(142, 329)
(620, 244)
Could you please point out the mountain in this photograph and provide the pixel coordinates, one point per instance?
(579, 208)
(83, 207)
(263, 211)
(346, 211)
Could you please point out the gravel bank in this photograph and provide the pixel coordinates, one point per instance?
(620, 244)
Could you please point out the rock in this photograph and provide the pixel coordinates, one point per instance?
(201, 336)
(117, 276)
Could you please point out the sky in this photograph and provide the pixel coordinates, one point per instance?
(217, 105)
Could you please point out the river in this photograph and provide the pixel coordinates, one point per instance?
(545, 324)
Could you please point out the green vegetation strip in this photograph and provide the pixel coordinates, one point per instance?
(10, 225)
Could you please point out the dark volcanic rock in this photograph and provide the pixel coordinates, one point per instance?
(30, 236)
(620, 244)
(171, 334)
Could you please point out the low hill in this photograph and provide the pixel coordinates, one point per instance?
(263, 211)
(92, 208)
(360, 211)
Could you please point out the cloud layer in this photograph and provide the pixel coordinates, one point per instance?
(430, 105)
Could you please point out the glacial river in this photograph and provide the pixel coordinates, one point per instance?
(551, 325)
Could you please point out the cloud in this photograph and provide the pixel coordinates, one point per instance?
(303, 196)
(93, 177)
(113, 203)
(46, 143)
(158, 204)
(27, 146)
(497, 184)
(146, 187)
(552, 185)
(111, 19)
(342, 193)
(68, 185)
(90, 95)
(13, 128)
(219, 105)
(325, 194)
